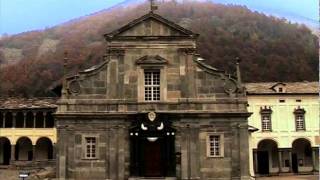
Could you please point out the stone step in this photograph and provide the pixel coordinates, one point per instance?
(152, 178)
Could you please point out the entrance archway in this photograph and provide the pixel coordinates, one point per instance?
(44, 149)
(152, 149)
(301, 155)
(5, 151)
(267, 157)
(23, 150)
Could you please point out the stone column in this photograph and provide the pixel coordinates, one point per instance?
(14, 119)
(290, 160)
(62, 153)
(34, 158)
(243, 148)
(3, 120)
(122, 147)
(34, 119)
(107, 152)
(44, 119)
(13, 149)
(54, 153)
(280, 160)
(235, 152)
(114, 160)
(187, 72)
(185, 153)
(314, 151)
(24, 119)
(255, 160)
(194, 153)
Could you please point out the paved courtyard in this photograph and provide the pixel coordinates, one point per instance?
(300, 177)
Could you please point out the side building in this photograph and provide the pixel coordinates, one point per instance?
(287, 118)
(27, 132)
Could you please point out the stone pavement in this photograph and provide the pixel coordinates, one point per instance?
(300, 177)
(8, 174)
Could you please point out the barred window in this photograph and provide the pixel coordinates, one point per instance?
(152, 85)
(214, 145)
(300, 122)
(266, 122)
(299, 114)
(90, 151)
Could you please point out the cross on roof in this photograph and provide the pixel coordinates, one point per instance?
(153, 7)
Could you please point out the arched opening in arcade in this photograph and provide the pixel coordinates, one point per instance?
(5, 151)
(29, 120)
(267, 157)
(49, 121)
(23, 149)
(8, 120)
(19, 120)
(44, 149)
(39, 120)
(301, 155)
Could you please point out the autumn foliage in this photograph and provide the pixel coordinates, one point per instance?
(271, 49)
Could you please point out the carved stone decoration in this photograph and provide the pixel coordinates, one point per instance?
(265, 110)
(299, 110)
(230, 86)
(151, 60)
(74, 87)
(152, 116)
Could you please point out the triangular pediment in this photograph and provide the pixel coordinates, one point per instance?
(151, 60)
(151, 25)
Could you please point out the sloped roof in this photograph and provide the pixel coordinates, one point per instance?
(32, 103)
(153, 16)
(304, 87)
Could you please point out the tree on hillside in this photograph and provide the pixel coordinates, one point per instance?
(271, 48)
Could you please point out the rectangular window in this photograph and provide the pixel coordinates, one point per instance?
(214, 146)
(300, 122)
(152, 85)
(266, 122)
(90, 147)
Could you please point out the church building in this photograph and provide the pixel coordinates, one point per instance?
(152, 110)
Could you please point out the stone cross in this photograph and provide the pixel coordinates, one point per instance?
(153, 7)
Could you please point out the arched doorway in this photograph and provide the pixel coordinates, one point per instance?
(44, 149)
(23, 149)
(301, 155)
(267, 157)
(5, 151)
(152, 148)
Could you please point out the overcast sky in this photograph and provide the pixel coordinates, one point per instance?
(24, 15)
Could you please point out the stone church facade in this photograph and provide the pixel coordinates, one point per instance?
(152, 109)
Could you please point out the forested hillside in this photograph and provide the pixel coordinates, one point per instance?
(271, 49)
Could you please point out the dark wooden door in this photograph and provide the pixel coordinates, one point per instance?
(263, 162)
(294, 163)
(153, 159)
